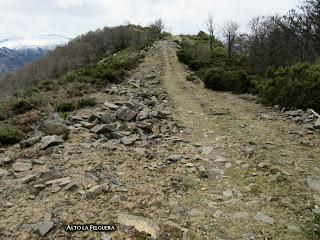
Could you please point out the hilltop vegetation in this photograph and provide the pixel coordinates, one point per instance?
(85, 49)
(277, 60)
(62, 80)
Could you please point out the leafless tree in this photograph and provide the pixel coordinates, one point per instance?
(157, 27)
(210, 28)
(230, 32)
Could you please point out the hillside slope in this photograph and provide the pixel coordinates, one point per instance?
(167, 157)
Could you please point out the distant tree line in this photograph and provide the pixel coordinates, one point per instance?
(84, 49)
(278, 59)
(278, 41)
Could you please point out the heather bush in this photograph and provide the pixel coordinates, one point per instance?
(9, 134)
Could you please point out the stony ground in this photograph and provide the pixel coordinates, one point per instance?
(164, 157)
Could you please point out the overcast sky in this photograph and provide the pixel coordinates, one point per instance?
(74, 17)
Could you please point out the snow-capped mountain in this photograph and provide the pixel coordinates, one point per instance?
(47, 41)
(18, 51)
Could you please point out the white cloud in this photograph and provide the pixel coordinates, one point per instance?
(69, 3)
(73, 17)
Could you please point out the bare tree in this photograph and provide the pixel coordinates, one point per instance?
(157, 27)
(230, 32)
(210, 27)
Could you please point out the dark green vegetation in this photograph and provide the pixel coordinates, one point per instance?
(70, 106)
(278, 59)
(73, 86)
(215, 68)
(9, 134)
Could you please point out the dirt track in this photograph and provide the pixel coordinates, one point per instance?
(239, 171)
(267, 163)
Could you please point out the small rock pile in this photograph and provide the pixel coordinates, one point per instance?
(307, 118)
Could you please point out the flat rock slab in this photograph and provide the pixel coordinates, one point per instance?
(94, 191)
(3, 172)
(50, 141)
(21, 166)
(140, 223)
(111, 105)
(264, 218)
(125, 114)
(60, 181)
(30, 142)
(5, 160)
(44, 228)
(108, 145)
(129, 140)
(174, 158)
(28, 179)
(317, 124)
(207, 150)
(314, 183)
(100, 129)
(55, 127)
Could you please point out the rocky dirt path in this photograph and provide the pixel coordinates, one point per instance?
(263, 170)
(166, 157)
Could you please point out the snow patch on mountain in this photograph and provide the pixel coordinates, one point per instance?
(47, 41)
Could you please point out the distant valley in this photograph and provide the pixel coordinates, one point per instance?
(18, 51)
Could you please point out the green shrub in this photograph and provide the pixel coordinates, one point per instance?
(235, 80)
(64, 115)
(20, 102)
(9, 134)
(110, 70)
(86, 102)
(191, 77)
(48, 85)
(297, 86)
(20, 106)
(214, 79)
(66, 107)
